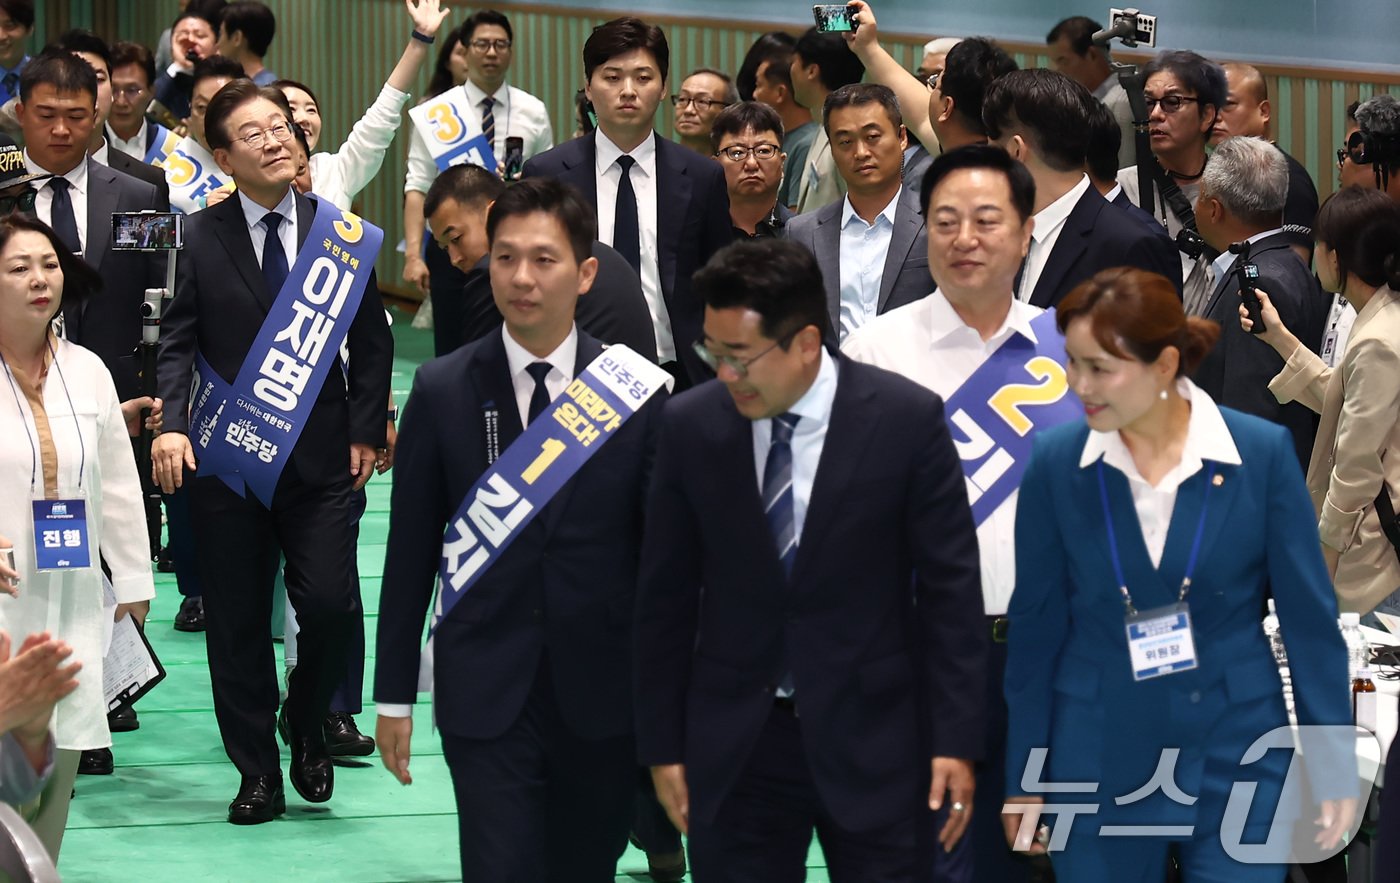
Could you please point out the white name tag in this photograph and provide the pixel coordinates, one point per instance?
(1160, 642)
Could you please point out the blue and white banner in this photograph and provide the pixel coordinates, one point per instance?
(1020, 390)
(446, 124)
(192, 174)
(163, 143)
(552, 449)
(244, 432)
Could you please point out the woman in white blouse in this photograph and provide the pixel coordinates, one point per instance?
(338, 177)
(63, 438)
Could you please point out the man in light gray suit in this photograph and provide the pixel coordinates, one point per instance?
(870, 244)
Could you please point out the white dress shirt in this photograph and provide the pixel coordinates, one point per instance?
(929, 343)
(134, 147)
(808, 438)
(286, 231)
(516, 112)
(608, 174)
(1049, 221)
(561, 369)
(1207, 438)
(338, 177)
(862, 262)
(77, 194)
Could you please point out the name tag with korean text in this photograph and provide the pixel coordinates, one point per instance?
(1160, 642)
(61, 540)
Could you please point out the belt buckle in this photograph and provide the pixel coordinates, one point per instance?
(1000, 626)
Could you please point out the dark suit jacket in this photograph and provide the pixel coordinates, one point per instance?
(1132, 208)
(144, 171)
(692, 224)
(1097, 236)
(906, 275)
(1237, 370)
(881, 624)
(614, 309)
(563, 589)
(220, 303)
(109, 322)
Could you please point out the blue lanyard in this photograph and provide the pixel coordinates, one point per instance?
(1113, 540)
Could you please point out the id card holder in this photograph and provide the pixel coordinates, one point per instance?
(61, 537)
(1160, 641)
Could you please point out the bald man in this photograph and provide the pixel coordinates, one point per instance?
(1247, 112)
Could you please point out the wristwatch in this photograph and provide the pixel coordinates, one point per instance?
(393, 415)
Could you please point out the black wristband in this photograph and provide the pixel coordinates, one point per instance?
(422, 38)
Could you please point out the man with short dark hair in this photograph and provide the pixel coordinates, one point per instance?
(1101, 164)
(1042, 118)
(1243, 193)
(810, 649)
(866, 244)
(704, 93)
(275, 475)
(193, 38)
(128, 130)
(821, 64)
(246, 29)
(195, 179)
(16, 25)
(648, 191)
(747, 140)
(532, 669)
(1073, 53)
(773, 87)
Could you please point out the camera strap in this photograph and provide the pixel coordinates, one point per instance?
(1174, 198)
(1385, 511)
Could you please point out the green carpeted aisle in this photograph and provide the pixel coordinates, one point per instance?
(161, 816)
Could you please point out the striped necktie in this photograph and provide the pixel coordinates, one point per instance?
(488, 121)
(777, 491)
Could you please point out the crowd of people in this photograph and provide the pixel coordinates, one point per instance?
(883, 449)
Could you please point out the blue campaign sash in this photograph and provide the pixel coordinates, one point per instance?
(527, 475)
(270, 400)
(1020, 390)
(163, 142)
(443, 124)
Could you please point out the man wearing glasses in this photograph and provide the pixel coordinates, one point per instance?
(128, 130)
(703, 95)
(809, 641)
(746, 139)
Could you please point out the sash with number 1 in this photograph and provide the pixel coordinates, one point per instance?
(244, 432)
(1019, 390)
(442, 122)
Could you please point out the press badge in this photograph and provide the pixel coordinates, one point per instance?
(1160, 641)
(61, 535)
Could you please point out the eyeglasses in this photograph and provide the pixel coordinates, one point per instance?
(21, 202)
(701, 104)
(280, 133)
(739, 366)
(484, 46)
(931, 81)
(1170, 103)
(128, 92)
(1354, 151)
(737, 153)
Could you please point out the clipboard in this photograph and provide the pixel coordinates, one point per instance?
(131, 668)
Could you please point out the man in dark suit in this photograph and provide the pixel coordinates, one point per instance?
(1043, 119)
(810, 646)
(456, 203)
(1101, 165)
(1243, 192)
(662, 206)
(532, 669)
(238, 256)
(870, 243)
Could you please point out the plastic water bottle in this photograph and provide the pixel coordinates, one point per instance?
(1358, 651)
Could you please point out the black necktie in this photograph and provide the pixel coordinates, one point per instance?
(539, 399)
(61, 215)
(274, 264)
(627, 235)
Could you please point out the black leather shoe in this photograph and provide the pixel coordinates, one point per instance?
(666, 867)
(260, 799)
(311, 771)
(97, 762)
(123, 720)
(344, 739)
(191, 615)
(163, 562)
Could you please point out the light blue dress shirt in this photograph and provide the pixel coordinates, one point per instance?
(863, 250)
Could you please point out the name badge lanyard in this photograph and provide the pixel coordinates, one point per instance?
(1160, 641)
(60, 526)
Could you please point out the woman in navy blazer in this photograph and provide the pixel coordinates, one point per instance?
(1164, 500)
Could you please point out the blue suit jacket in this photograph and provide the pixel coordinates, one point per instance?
(880, 624)
(562, 591)
(1069, 684)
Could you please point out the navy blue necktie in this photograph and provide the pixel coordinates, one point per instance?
(11, 85)
(627, 233)
(488, 121)
(274, 263)
(61, 215)
(777, 491)
(539, 399)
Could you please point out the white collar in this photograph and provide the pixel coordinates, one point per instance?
(1207, 438)
(848, 211)
(1113, 194)
(1222, 264)
(607, 152)
(563, 359)
(944, 320)
(254, 213)
(476, 95)
(76, 176)
(1055, 214)
(815, 405)
(103, 153)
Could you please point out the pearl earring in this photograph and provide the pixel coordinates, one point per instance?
(1162, 395)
